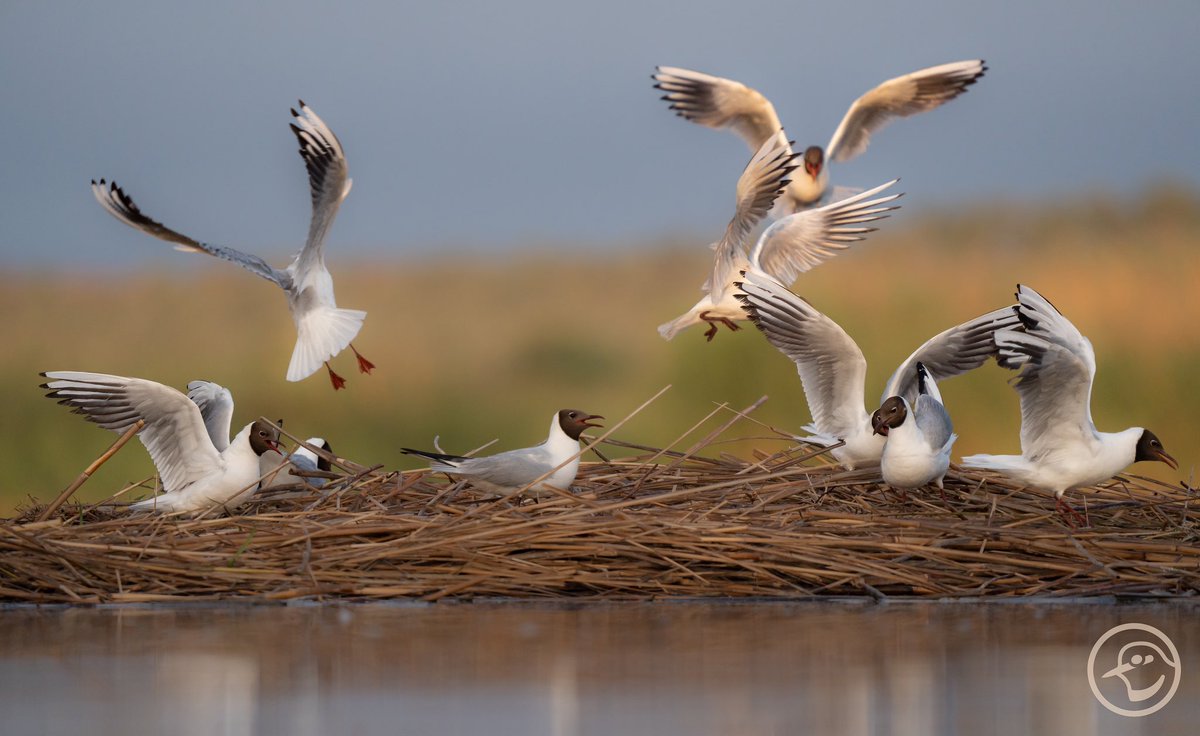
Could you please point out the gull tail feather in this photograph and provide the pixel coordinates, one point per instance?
(320, 335)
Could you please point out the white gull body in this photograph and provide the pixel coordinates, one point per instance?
(716, 102)
(510, 471)
(1061, 448)
(791, 246)
(833, 370)
(322, 328)
(196, 476)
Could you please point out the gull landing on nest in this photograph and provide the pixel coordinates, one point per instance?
(322, 329)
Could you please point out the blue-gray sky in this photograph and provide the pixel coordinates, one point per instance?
(489, 124)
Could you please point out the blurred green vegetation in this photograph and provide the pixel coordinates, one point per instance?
(481, 347)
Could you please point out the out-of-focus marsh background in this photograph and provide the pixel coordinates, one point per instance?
(488, 346)
(525, 210)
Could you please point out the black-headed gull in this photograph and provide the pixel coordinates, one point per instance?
(1061, 448)
(322, 329)
(510, 471)
(789, 247)
(716, 102)
(304, 460)
(833, 371)
(195, 474)
(918, 435)
(216, 408)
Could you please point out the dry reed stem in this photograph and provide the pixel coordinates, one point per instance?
(781, 524)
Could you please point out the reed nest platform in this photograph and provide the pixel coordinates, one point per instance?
(658, 524)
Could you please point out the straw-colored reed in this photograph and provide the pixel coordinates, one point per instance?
(658, 524)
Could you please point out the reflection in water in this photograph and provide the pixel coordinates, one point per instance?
(687, 668)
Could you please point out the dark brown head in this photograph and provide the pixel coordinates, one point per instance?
(263, 437)
(1150, 448)
(889, 416)
(322, 463)
(574, 421)
(814, 160)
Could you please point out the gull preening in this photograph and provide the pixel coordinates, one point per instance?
(789, 247)
(196, 475)
(513, 470)
(322, 329)
(716, 102)
(833, 370)
(918, 436)
(1061, 448)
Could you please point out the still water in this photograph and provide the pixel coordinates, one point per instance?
(516, 668)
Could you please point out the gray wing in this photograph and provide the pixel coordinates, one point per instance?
(512, 469)
(898, 98)
(716, 102)
(328, 181)
(216, 409)
(955, 351)
(121, 206)
(1055, 387)
(832, 369)
(934, 421)
(174, 433)
(759, 185)
(800, 242)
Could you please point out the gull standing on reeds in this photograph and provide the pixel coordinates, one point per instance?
(833, 370)
(513, 470)
(195, 474)
(322, 329)
(789, 247)
(1061, 448)
(716, 102)
(918, 436)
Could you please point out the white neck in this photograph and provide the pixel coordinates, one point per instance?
(558, 441)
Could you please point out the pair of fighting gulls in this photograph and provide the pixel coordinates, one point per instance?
(911, 433)
(187, 437)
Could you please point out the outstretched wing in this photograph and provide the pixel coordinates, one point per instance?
(121, 206)
(898, 98)
(327, 178)
(955, 351)
(216, 409)
(716, 102)
(174, 433)
(760, 183)
(831, 367)
(799, 242)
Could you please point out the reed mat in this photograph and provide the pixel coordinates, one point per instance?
(655, 524)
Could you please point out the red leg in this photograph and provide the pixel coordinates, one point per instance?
(335, 379)
(1070, 515)
(712, 324)
(364, 365)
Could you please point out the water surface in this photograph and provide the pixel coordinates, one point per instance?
(495, 668)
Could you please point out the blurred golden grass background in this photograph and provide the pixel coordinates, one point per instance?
(476, 347)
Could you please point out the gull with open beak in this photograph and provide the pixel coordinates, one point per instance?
(196, 476)
(716, 102)
(1061, 448)
(322, 329)
(511, 471)
(789, 247)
